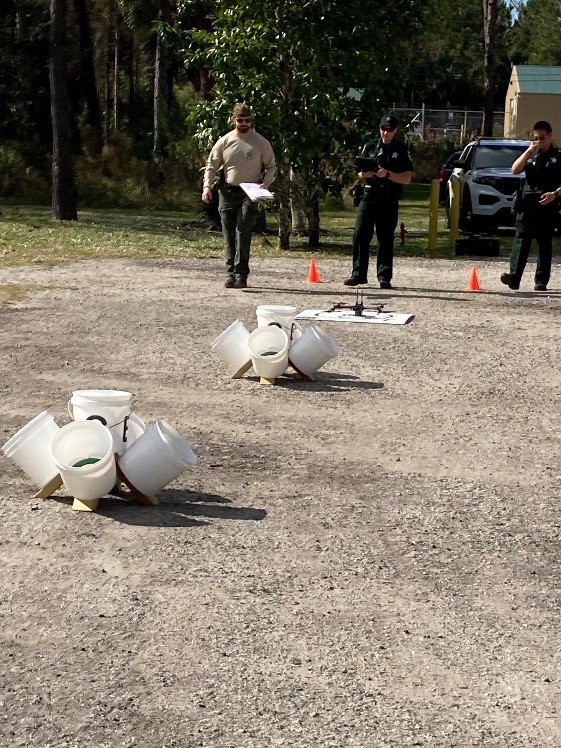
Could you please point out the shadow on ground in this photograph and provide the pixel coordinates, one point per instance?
(176, 508)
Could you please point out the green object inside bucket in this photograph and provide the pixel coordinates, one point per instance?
(86, 461)
(269, 353)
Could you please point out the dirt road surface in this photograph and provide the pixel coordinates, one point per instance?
(370, 560)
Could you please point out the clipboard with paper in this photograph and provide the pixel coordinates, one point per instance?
(256, 193)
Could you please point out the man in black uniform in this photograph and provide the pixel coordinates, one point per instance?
(392, 168)
(536, 207)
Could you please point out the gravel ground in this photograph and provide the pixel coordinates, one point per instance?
(368, 560)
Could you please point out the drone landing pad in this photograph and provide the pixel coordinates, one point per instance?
(347, 315)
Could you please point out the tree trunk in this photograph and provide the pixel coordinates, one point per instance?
(297, 212)
(161, 84)
(490, 14)
(107, 44)
(298, 218)
(283, 177)
(284, 224)
(63, 189)
(87, 76)
(132, 76)
(313, 218)
(116, 79)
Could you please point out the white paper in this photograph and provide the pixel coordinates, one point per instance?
(255, 192)
(344, 315)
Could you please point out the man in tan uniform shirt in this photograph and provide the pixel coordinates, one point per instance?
(245, 156)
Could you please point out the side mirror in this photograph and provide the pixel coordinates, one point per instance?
(459, 164)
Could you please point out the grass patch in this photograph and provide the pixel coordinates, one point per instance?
(11, 293)
(29, 234)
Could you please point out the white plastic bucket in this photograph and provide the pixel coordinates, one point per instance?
(231, 345)
(314, 349)
(268, 347)
(110, 407)
(156, 458)
(83, 454)
(30, 449)
(281, 315)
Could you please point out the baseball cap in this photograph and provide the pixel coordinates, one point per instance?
(388, 121)
(241, 110)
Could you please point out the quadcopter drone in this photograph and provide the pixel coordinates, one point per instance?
(358, 307)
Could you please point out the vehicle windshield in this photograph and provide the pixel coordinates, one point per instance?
(501, 156)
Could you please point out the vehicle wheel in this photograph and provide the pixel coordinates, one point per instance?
(470, 224)
(466, 216)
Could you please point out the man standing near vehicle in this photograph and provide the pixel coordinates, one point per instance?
(244, 156)
(378, 208)
(535, 207)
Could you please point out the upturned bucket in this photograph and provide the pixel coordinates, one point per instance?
(83, 454)
(268, 348)
(30, 449)
(231, 345)
(110, 407)
(156, 458)
(280, 315)
(314, 349)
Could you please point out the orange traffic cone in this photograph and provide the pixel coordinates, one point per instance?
(313, 275)
(473, 281)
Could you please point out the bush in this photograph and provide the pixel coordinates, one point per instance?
(19, 180)
(427, 156)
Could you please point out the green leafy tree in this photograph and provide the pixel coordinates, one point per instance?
(24, 73)
(295, 63)
(536, 36)
(445, 64)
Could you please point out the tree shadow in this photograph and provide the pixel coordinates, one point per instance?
(411, 292)
(367, 293)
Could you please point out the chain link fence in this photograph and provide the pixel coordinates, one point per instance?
(456, 125)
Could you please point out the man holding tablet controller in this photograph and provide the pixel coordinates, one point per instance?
(385, 166)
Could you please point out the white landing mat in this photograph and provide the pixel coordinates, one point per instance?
(347, 315)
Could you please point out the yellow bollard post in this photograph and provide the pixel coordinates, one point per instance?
(433, 213)
(454, 216)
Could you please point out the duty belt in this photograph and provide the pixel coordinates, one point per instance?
(370, 189)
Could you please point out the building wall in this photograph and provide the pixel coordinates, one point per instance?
(522, 110)
(511, 105)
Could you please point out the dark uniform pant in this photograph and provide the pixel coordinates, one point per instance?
(237, 214)
(378, 214)
(535, 223)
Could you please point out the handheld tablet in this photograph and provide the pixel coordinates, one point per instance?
(366, 164)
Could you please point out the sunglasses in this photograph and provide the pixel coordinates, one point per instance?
(243, 119)
(387, 129)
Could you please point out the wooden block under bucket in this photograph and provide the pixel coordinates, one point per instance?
(264, 380)
(138, 496)
(85, 505)
(49, 488)
(307, 377)
(240, 372)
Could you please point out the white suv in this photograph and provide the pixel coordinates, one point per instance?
(487, 184)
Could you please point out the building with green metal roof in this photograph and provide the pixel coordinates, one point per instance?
(534, 93)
